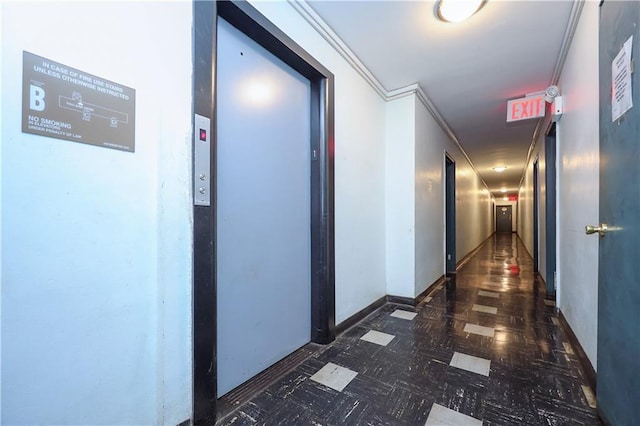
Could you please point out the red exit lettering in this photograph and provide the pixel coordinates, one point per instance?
(525, 108)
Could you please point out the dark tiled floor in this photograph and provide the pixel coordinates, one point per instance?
(532, 380)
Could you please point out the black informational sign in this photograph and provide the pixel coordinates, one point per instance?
(65, 103)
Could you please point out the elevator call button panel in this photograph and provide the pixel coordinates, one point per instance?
(202, 161)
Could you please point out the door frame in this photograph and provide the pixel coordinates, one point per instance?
(536, 217)
(496, 216)
(249, 21)
(493, 215)
(449, 215)
(550, 155)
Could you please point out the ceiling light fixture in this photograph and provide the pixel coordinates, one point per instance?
(503, 190)
(457, 10)
(499, 169)
(505, 198)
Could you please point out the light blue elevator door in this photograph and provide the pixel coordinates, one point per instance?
(263, 209)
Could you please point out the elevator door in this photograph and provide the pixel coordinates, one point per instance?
(263, 209)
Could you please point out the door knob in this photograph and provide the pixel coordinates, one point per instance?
(602, 229)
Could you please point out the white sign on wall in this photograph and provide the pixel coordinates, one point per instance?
(62, 102)
(621, 97)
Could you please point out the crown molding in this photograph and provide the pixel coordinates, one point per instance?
(422, 96)
(572, 25)
(331, 37)
(416, 89)
(312, 17)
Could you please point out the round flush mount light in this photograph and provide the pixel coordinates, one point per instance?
(457, 10)
(499, 169)
(503, 190)
(551, 93)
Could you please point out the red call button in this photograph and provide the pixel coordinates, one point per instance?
(203, 135)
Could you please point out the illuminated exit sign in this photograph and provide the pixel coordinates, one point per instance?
(525, 108)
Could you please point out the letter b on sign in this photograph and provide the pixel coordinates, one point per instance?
(36, 98)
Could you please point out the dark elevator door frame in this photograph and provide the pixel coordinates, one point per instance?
(550, 209)
(536, 223)
(450, 215)
(249, 21)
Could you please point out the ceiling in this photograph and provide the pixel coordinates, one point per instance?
(468, 70)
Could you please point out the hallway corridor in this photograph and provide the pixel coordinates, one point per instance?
(483, 349)
(486, 346)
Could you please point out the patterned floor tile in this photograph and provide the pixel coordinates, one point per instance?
(471, 363)
(334, 376)
(440, 415)
(532, 378)
(399, 313)
(382, 339)
(480, 329)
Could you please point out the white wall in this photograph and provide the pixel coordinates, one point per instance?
(400, 214)
(430, 146)
(473, 201)
(473, 206)
(578, 183)
(359, 168)
(377, 147)
(525, 206)
(1, 238)
(524, 221)
(96, 283)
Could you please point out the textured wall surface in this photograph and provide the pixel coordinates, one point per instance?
(578, 162)
(96, 284)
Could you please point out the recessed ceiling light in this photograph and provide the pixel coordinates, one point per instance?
(503, 190)
(457, 10)
(499, 169)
